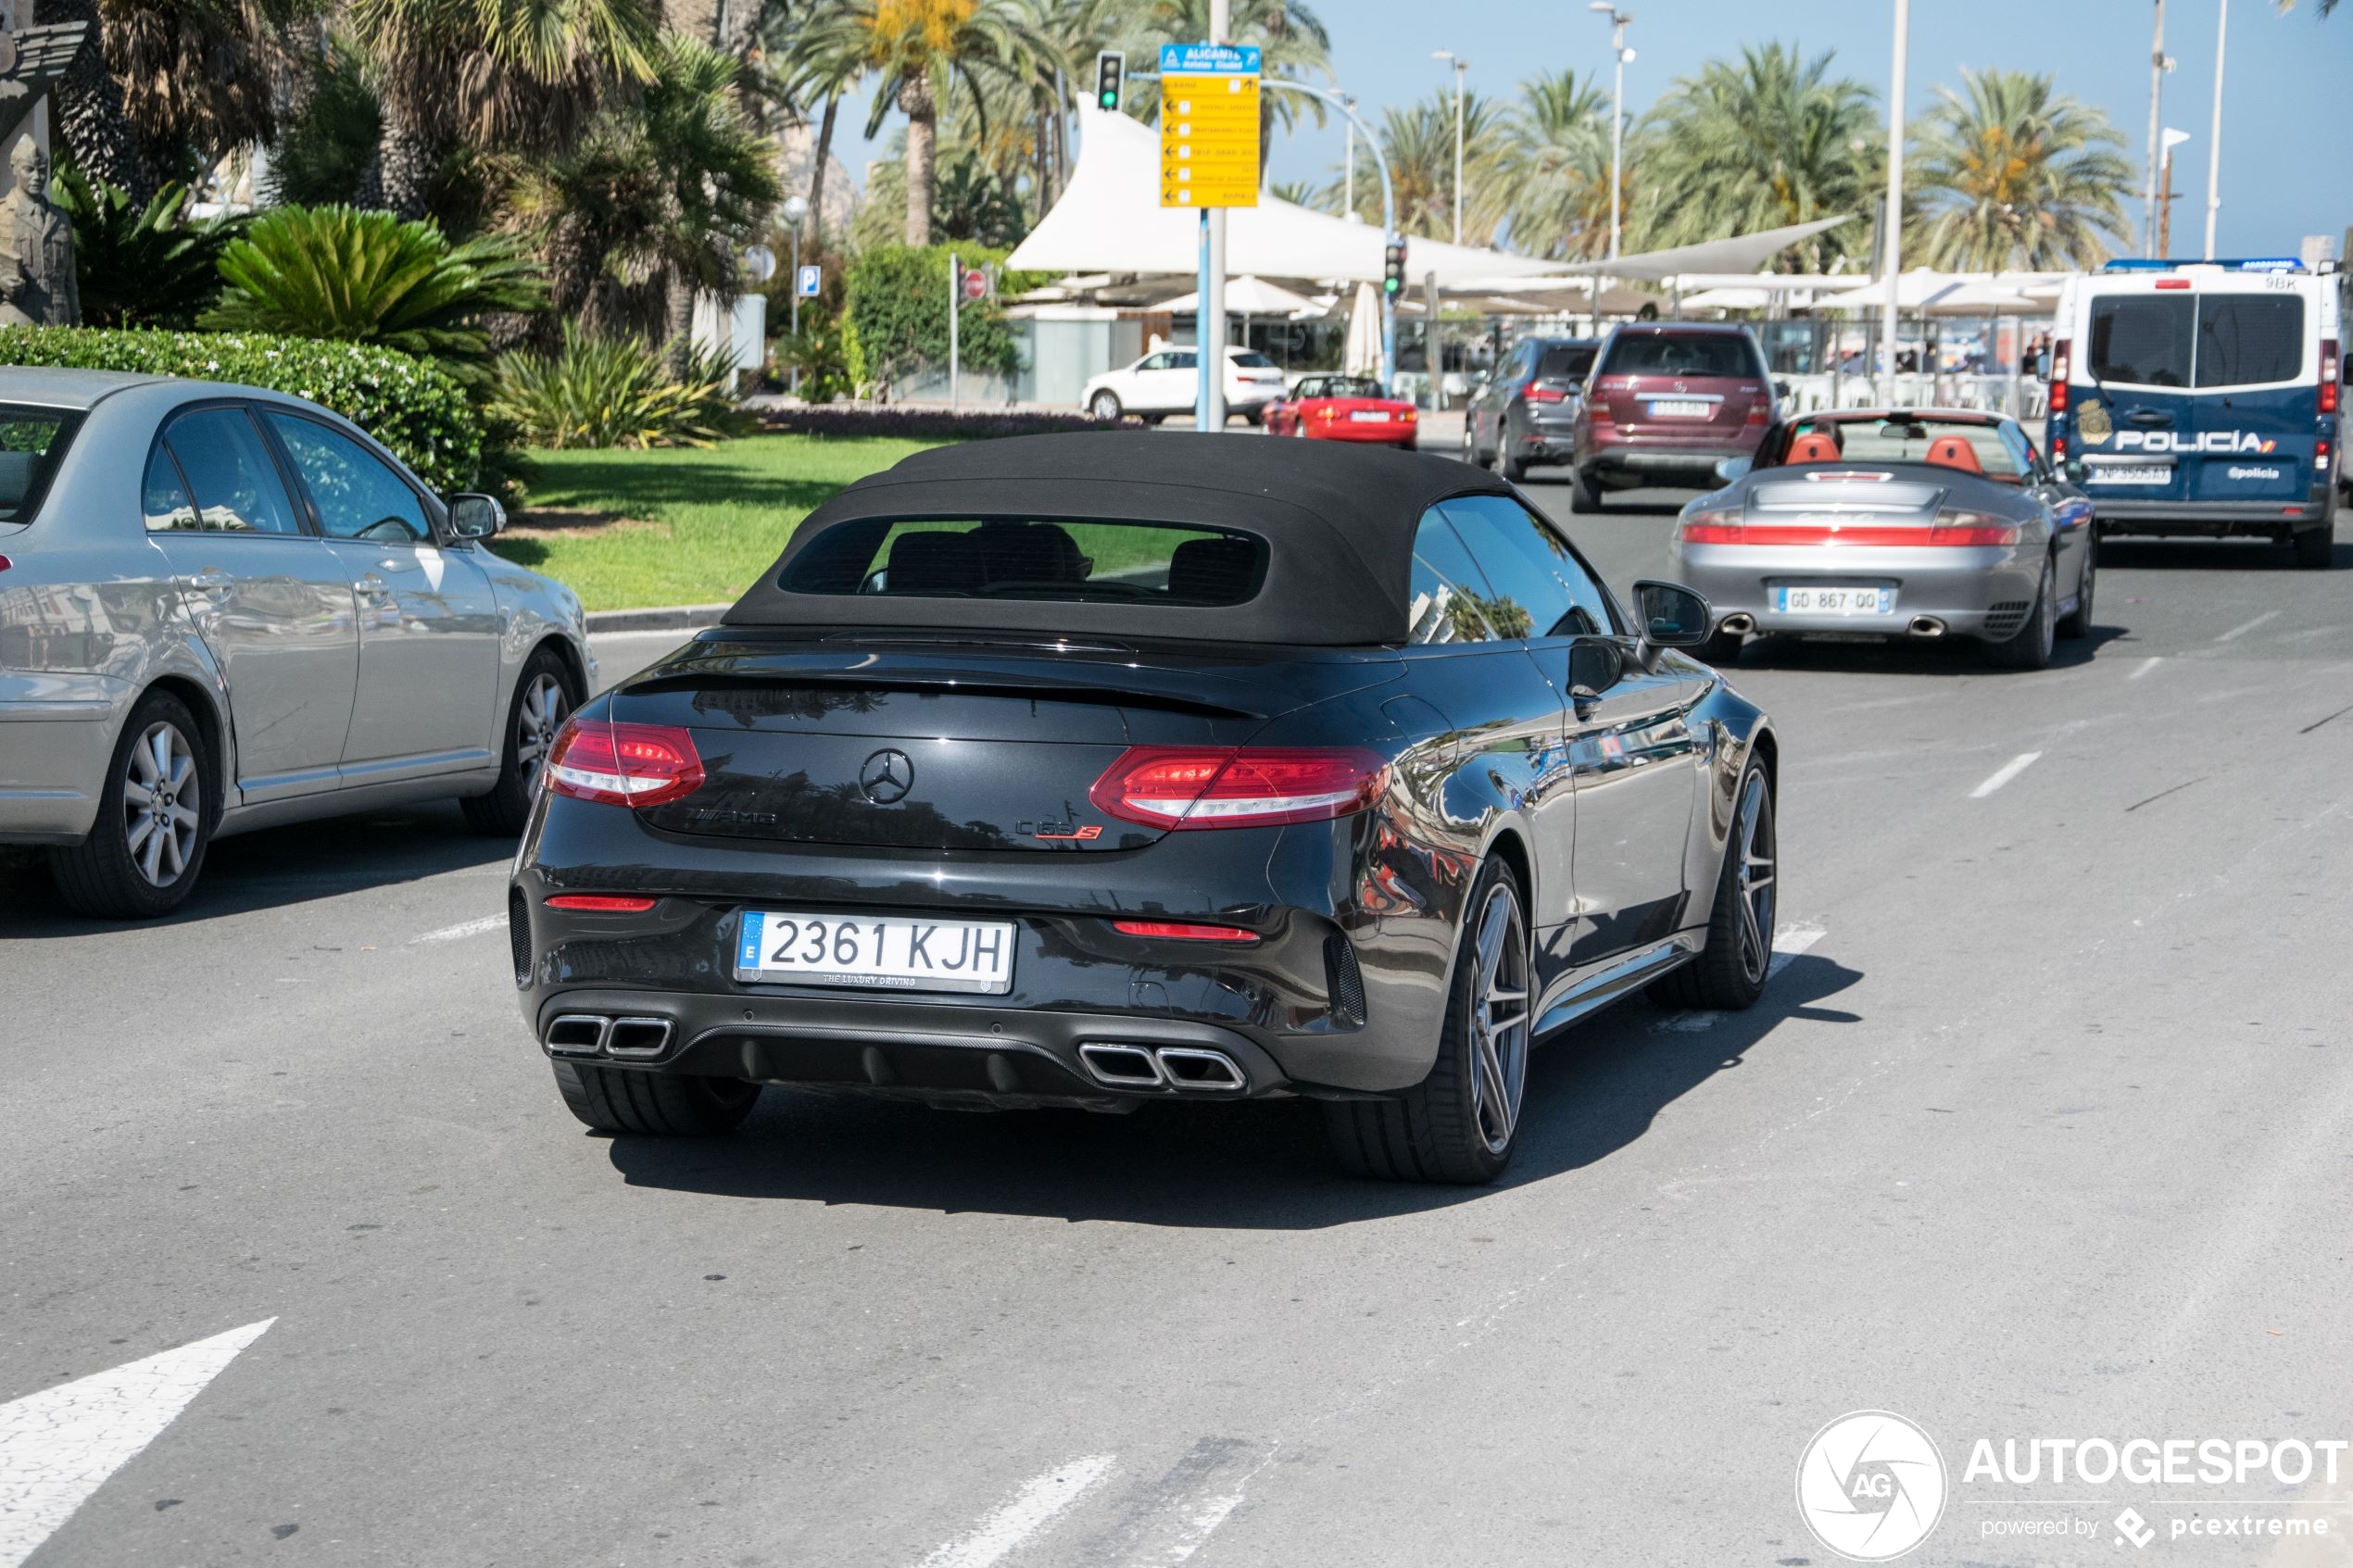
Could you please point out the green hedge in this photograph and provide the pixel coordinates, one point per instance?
(898, 313)
(409, 404)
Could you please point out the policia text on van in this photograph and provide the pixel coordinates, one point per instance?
(2203, 398)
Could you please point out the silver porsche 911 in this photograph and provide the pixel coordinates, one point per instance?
(1897, 523)
(223, 608)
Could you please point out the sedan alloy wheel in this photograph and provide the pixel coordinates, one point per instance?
(162, 804)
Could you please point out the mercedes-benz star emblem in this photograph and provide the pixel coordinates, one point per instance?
(885, 777)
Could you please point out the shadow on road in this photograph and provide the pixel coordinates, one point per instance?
(1942, 655)
(280, 866)
(1248, 1167)
(2208, 554)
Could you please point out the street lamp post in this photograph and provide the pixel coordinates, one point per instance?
(1461, 66)
(2214, 140)
(1622, 56)
(1893, 222)
(2159, 63)
(1347, 101)
(795, 212)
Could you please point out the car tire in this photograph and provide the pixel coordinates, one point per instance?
(1446, 1128)
(1730, 973)
(1584, 495)
(121, 871)
(1470, 445)
(2077, 622)
(545, 694)
(1512, 469)
(2315, 547)
(662, 1105)
(1105, 405)
(1722, 649)
(2029, 646)
(1253, 416)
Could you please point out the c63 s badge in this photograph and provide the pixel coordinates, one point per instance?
(1059, 830)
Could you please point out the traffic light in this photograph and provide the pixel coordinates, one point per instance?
(1393, 277)
(1109, 67)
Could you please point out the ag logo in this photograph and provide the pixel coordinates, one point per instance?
(1871, 1486)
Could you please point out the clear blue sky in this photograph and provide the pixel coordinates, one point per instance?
(2287, 101)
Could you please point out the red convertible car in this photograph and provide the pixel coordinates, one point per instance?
(1326, 408)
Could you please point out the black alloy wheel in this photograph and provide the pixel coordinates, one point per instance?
(1730, 973)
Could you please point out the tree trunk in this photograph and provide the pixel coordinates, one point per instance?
(922, 154)
(678, 319)
(817, 171)
(90, 118)
(409, 160)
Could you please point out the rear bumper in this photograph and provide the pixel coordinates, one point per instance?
(1394, 433)
(2216, 519)
(53, 765)
(1983, 592)
(1629, 467)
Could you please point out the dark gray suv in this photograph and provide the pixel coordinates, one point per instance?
(1526, 412)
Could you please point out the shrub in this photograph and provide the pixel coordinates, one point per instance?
(899, 305)
(613, 391)
(140, 266)
(370, 277)
(924, 424)
(412, 406)
(319, 156)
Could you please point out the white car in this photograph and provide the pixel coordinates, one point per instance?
(1167, 381)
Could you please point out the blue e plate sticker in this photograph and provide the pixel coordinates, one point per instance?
(748, 949)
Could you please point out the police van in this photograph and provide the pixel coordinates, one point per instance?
(2193, 398)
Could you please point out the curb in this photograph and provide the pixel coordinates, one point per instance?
(676, 617)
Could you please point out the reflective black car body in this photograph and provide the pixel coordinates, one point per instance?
(951, 766)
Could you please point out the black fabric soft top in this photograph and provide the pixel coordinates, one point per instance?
(1338, 524)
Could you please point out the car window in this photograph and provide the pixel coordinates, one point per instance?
(2021, 452)
(1907, 440)
(1312, 387)
(2142, 340)
(1250, 359)
(164, 495)
(32, 442)
(1152, 362)
(1533, 571)
(236, 484)
(1683, 353)
(1565, 363)
(357, 496)
(1451, 602)
(1187, 360)
(2248, 339)
(1011, 557)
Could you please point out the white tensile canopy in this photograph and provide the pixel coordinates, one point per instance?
(1249, 296)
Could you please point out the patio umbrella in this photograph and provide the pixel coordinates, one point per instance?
(1361, 355)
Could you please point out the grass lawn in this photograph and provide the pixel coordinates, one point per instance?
(627, 529)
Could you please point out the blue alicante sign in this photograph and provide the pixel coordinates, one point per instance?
(1208, 60)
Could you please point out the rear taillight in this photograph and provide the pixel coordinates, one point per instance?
(1971, 528)
(2329, 394)
(1183, 931)
(6, 563)
(601, 903)
(1546, 395)
(2059, 377)
(1717, 526)
(1189, 787)
(1759, 412)
(624, 764)
(1966, 530)
(2173, 282)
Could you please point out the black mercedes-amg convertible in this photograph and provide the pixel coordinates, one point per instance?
(1096, 769)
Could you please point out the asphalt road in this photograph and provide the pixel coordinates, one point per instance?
(2047, 1131)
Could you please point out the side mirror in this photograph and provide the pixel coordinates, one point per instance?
(1672, 616)
(475, 517)
(1730, 469)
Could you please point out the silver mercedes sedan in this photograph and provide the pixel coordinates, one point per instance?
(223, 608)
(1896, 523)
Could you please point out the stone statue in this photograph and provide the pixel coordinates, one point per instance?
(36, 248)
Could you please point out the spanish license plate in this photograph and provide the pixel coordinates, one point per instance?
(886, 953)
(1679, 408)
(1834, 601)
(1369, 416)
(2130, 473)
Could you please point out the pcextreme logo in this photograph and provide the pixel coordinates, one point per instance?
(1871, 1486)
(2224, 441)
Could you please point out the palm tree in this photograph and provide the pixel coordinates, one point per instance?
(2012, 175)
(1556, 167)
(807, 66)
(1769, 140)
(1419, 141)
(923, 51)
(168, 83)
(517, 75)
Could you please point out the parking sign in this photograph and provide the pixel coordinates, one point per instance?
(805, 282)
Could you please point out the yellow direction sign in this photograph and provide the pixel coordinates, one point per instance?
(1208, 125)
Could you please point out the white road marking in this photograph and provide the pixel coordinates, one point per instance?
(60, 1446)
(2146, 665)
(468, 928)
(2237, 631)
(1788, 942)
(2005, 773)
(1030, 1510)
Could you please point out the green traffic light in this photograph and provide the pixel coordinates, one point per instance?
(1111, 100)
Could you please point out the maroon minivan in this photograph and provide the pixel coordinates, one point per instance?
(1668, 402)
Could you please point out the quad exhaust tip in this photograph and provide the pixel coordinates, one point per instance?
(1191, 1069)
(589, 1033)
